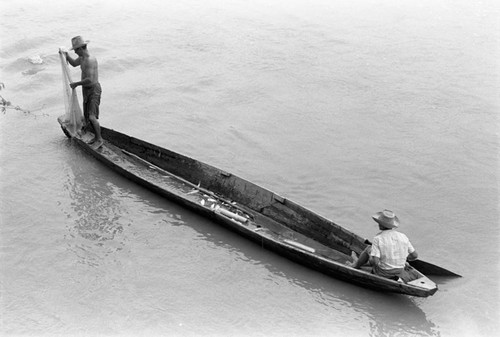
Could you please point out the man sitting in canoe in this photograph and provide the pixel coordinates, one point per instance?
(390, 249)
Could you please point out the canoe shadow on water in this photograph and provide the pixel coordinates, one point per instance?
(385, 312)
(99, 222)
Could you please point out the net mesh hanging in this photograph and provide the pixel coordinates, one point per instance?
(73, 117)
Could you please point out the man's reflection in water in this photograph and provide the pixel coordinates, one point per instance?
(97, 218)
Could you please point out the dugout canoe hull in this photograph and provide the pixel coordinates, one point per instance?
(272, 221)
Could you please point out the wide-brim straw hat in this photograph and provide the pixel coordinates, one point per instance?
(78, 42)
(386, 218)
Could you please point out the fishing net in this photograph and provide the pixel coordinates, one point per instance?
(73, 117)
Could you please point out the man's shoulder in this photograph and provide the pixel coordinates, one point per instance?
(399, 235)
(378, 237)
(89, 59)
(391, 233)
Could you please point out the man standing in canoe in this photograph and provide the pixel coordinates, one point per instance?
(91, 88)
(390, 249)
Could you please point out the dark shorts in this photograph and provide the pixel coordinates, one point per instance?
(91, 101)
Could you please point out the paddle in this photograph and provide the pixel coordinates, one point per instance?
(427, 268)
(431, 269)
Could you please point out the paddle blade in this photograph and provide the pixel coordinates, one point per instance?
(428, 269)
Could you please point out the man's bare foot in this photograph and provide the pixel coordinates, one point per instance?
(354, 260)
(97, 144)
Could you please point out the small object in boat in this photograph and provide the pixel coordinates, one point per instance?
(232, 215)
(299, 245)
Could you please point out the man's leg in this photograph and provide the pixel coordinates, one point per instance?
(97, 141)
(86, 122)
(92, 107)
(362, 259)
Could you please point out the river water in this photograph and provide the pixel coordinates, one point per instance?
(345, 107)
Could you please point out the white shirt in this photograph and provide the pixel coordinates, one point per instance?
(392, 247)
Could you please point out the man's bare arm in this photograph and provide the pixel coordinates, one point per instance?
(412, 256)
(74, 62)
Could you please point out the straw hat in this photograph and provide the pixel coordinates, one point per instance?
(78, 42)
(386, 218)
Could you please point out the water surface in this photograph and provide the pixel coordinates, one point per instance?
(345, 108)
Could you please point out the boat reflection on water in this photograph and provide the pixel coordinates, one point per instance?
(97, 217)
(102, 232)
(384, 313)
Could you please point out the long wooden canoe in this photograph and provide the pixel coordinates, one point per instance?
(274, 222)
